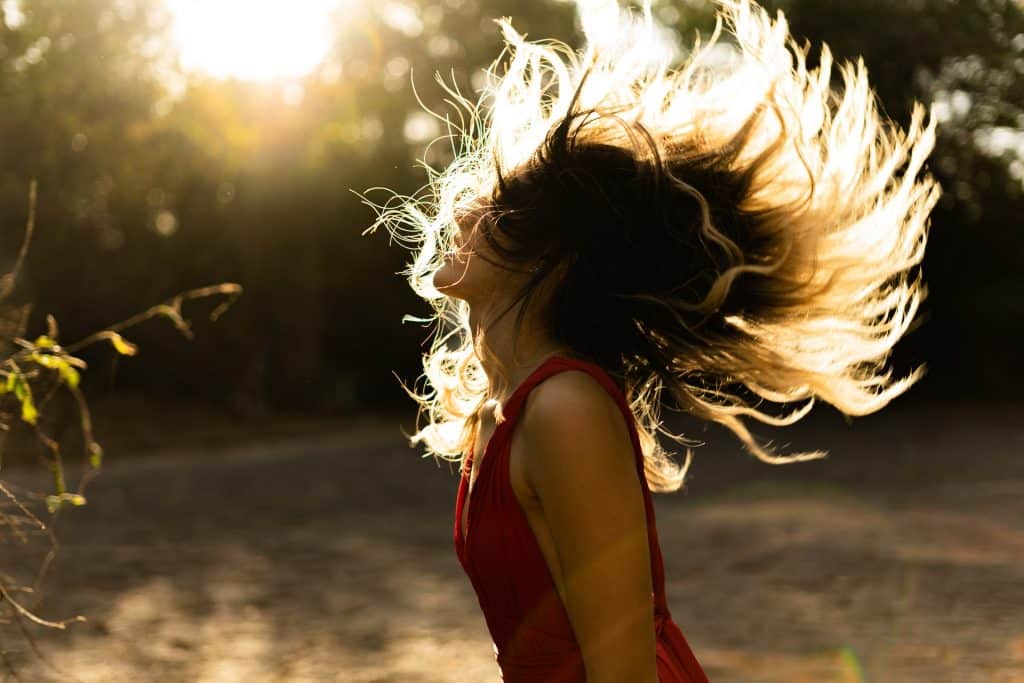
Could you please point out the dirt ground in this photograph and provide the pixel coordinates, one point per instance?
(327, 556)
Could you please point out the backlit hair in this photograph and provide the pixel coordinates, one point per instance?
(737, 230)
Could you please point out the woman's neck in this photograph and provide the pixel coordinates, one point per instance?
(519, 352)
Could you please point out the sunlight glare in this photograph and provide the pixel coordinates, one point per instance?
(254, 40)
(11, 14)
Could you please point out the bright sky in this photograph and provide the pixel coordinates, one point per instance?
(257, 40)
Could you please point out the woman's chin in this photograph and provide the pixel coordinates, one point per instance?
(450, 280)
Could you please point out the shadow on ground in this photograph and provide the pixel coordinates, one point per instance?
(329, 558)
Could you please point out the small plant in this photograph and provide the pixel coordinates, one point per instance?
(32, 372)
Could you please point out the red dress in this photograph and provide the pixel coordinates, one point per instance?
(532, 635)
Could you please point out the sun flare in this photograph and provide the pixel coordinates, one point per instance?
(255, 40)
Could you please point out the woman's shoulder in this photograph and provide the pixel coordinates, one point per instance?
(574, 392)
(572, 418)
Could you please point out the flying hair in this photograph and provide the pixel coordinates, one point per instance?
(740, 229)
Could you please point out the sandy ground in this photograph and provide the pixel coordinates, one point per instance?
(329, 557)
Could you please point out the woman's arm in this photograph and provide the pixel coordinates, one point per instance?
(579, 462)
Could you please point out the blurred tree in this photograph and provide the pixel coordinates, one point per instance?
(79, 83)
(165, 180)
(967, 58)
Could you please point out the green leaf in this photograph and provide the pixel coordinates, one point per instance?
(95, 455)
(28, 410)
(54, 503)
(125, 348)
(22, 391)
(41, 359)
(67, 373)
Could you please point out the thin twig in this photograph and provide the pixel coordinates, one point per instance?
(6, 596)
(24, 510)
(8, 281)
(170, 308)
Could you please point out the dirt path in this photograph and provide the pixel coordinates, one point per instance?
(900, 559)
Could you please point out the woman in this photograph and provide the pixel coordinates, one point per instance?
(615, 234)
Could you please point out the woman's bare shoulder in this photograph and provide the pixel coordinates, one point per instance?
(583, 474)
(571, 420)
(567, 400)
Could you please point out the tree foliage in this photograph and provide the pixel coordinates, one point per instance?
(164, 179)
(967, 58)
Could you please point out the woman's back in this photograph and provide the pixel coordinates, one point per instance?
(532, 634)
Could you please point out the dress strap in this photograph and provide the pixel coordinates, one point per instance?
(555, 364)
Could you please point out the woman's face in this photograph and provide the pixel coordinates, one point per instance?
(473, 272)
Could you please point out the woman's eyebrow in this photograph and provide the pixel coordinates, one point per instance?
(475, 212)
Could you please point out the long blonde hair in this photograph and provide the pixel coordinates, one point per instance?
(797, 283)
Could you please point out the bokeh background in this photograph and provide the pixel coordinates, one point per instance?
(260, 517)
